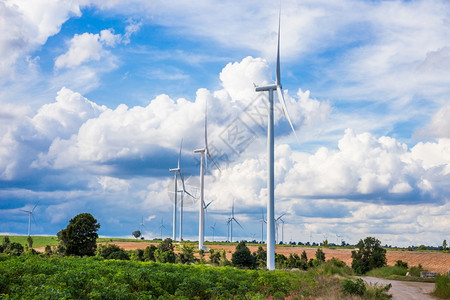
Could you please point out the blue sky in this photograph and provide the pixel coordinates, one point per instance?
(97, 95)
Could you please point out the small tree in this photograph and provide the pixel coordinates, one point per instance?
(164, 253)
(80, 236)
(444, 245)
(149, 253)
(242, 257)
(303, 257)
(136, 233)
(187, 254)
(260, 257)
(214, 257)
(30, 242)
(320, 256)
(370, 255)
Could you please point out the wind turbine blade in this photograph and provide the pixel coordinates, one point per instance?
(184, 186)
(283, 104)
(280, 217)
(179, 156)
(278, 78)
(35, 206)
(206, 124)
(34, 220)
(210, 157)
(206, 206)
(238, 223)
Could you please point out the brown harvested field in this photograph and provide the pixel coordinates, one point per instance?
(431, 261)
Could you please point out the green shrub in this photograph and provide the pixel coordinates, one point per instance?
(416, 270)
(14, 248)
(242, 257)
(376, 292)
(353, 286)
(401, 264)
(111, 251)
(442, 287)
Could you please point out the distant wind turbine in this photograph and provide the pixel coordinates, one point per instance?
(282, 226)
(161, 226)
(263, 221)
(30, 215)
(204, 154)
(230, 222)
(177, 172)
(270, 154)
(213, 231)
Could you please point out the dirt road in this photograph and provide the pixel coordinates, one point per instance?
(404, 290)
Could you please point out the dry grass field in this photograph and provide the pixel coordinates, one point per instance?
(430, 261)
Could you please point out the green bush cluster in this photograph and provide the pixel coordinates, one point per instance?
(29, 277)
(442, 287)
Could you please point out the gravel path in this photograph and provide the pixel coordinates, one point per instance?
(405, 290)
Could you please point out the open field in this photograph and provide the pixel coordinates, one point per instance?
(431, 261)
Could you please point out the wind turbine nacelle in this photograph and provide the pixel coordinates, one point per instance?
(200, 150)
(174, 170)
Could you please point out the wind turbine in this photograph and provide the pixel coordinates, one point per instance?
(204, 154)
(213, 231)
(30, 214)
(161, 226)
(270, 154)
(262, 220)
(177, 172)
(230, 222)
(282, 226)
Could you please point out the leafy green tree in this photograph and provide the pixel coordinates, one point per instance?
(164, 252)
(370, 255)
(444, 245)
(242, 257)
(187, 254)
(4, 244)
(14, 248)
(136, 233)
(214, 257)
(325, 244)
(80, 236)
(260, 257)
(320, 256)
(149, 253)
(303, 257)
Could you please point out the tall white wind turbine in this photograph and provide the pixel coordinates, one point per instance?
(204, 154)
(270, 154)
(30, 214)
(177, 173)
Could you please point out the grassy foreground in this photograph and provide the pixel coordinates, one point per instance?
(35, 276)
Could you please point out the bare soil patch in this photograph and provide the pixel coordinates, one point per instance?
(431, 261)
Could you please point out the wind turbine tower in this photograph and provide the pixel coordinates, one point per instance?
(30, 214)
(183, 191)
(270, 154)
(204, 152)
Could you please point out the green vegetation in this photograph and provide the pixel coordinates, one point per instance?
(93, 277)
(442, 287)
(80, 236)
(370, 255)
